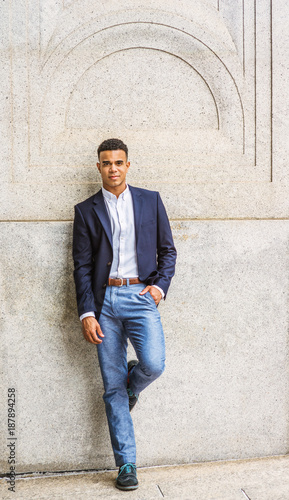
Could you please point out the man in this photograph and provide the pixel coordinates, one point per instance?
(124, 259)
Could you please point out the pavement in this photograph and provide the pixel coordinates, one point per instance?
(254, 479)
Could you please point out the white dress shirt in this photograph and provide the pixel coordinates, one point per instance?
(121, 216)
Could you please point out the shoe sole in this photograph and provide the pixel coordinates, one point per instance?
(123, 488)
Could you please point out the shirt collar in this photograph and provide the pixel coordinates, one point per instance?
(111, 197)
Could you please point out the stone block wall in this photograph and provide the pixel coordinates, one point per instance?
(198, 90)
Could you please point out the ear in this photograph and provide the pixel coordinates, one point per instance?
(98, 166)
(127, 165)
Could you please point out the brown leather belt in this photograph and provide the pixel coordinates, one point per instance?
(123, 281)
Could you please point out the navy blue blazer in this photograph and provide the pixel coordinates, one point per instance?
(93, 250)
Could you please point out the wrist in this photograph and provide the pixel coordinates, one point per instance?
(87, 314)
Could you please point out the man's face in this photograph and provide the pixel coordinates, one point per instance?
(113, 166)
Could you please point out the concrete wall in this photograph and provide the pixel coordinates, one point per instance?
(198, 90)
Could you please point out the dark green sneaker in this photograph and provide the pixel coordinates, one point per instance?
(132, 398)
(126, 479)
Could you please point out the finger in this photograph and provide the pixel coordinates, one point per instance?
(145, 290)
(99, 330)
(93, 329)
(88, 336)
(91, 336)
(94, 339)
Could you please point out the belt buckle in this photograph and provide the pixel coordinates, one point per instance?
(121, 279)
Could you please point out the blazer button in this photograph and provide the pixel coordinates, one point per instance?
(103, 286)
(109, 263)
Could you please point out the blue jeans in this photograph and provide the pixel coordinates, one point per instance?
(126, 314)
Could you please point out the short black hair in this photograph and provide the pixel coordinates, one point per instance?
(111, 145)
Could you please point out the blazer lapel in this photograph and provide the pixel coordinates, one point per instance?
(138, 210)
(101, 212)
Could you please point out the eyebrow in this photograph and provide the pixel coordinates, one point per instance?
(117, 161)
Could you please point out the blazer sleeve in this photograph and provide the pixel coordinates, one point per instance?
(166, 251)
(83, 264)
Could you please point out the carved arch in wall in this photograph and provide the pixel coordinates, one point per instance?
(73, 59)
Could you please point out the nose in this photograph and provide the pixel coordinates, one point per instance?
(113, 167)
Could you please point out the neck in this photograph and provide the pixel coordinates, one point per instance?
(115, 190)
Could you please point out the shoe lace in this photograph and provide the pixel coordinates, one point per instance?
(129, 467)
(131, 394)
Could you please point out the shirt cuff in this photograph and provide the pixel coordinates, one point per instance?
(85, 315)
(162, 292)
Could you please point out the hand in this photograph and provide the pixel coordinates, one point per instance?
(155, 293)
(91, 330)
